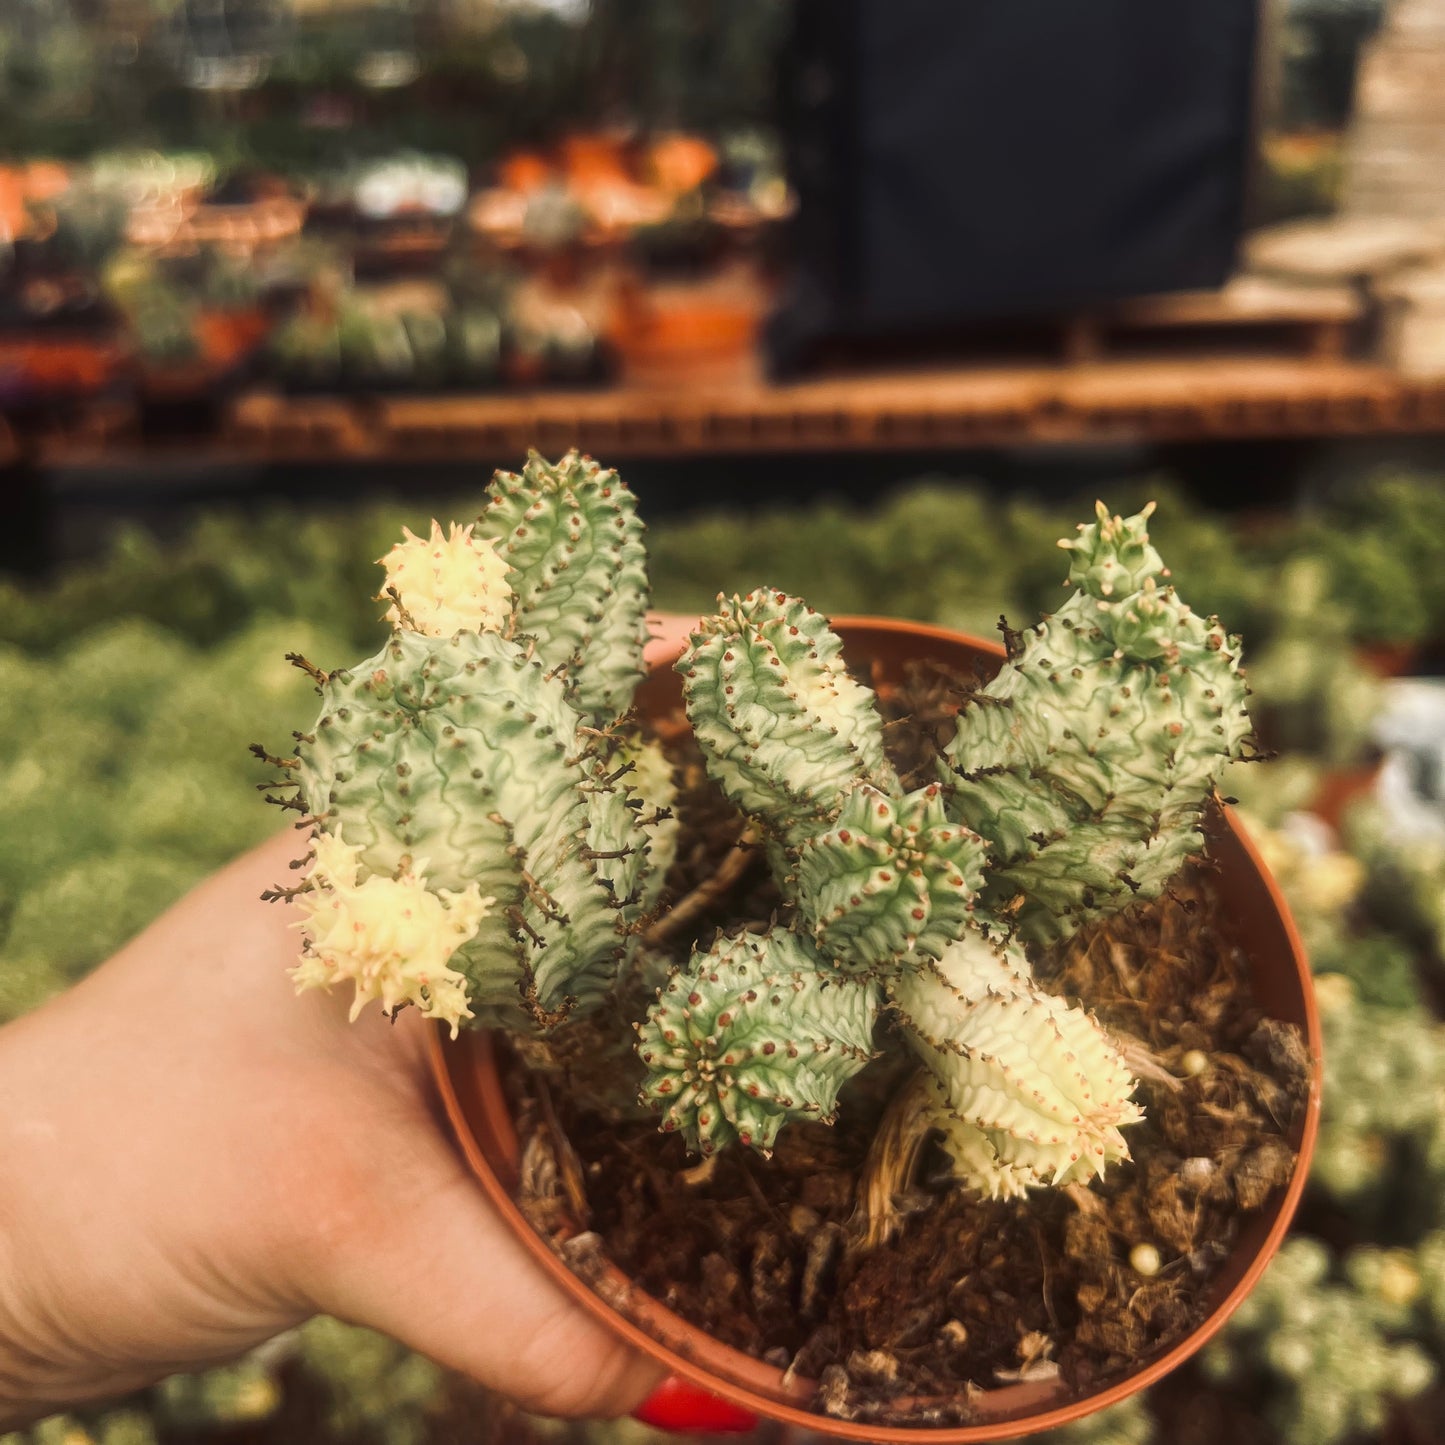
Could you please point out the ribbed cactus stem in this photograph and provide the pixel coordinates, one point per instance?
(785, 731)
(465, 752)
(1088, 760)
(893, 879)
(570, 533)
(751, 1033)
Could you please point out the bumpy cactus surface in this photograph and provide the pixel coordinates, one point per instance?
(1074, 784)
(465, 753)
(492, 833)
(571, 536)
(786, 731)
(892, 877)
(751, 1034)
(1087, 761)
(1030, 1090)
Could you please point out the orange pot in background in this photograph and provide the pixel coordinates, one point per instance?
(228, 337)
(716, 1388)
(671, 335)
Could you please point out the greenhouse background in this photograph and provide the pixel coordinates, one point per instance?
(488, 204)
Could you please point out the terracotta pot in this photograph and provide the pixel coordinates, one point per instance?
(715, 1387)
(678, 336)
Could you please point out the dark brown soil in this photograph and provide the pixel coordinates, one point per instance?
(969, 1293)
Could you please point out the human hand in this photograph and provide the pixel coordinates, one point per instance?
(193, 1159)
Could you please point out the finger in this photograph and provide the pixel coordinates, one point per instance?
(438, 1270)
(667, 635)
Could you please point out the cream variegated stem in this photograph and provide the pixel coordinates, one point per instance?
(446, 583)
(1030, 1091)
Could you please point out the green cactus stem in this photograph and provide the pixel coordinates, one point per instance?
(751, 1033)
(785, 731)
(1029, 1090)
(570, 533)
(464, 752)
(1087, 762)
(892, 878)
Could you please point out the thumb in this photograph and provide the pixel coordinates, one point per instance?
(668, 632)
(430, 1263)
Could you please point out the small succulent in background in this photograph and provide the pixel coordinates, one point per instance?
(1327, 1350)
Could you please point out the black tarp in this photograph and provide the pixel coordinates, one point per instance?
(965, 160)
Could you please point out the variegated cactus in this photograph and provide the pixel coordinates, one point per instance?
(492, 833)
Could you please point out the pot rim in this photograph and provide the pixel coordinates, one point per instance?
(1008, 1407)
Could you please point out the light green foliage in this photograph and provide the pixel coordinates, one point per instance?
(932, 551)
(751, 1033)
(1405, 877)
(374, 1388)
(1310, 691)
(1430, 1264)
(785, 730)
(1371, 536)
(1269, 791)
(116, 672)
(238, 1394)
(236, 694)
(79, 916)
(1322, 885)
(1381, 1148)
(1324, 1350)
(890, 878)
(571, 535)
(1087, 761)
(104, 1427)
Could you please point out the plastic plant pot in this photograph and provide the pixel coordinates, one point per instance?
(715, 1388)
